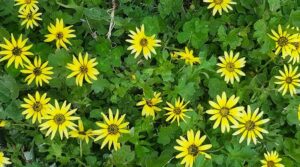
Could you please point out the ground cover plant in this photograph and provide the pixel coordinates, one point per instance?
(152, 83)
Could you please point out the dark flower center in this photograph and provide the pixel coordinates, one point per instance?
(282, 41)
(224, 111)
(230, 67)
(16, 51)
(289, 80)
(59, 119)
(177, 110)
(113, 129)
(193, 150)
(296, 44)
(144, 42)
(83, 69)
(82, 133)
(37, 106)
(37, 71)
(149, 103)
(249, 125)
(270, 164)
(28, 1)
(59, 35)
(29, 16)
(218, 2)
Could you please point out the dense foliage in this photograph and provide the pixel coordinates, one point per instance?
(102, 28)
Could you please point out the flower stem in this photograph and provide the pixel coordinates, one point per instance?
(80, 145)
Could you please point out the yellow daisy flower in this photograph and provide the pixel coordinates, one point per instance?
(3, 160)
(29, 17)
(59, 119)
(149, 105)
(284, 41)
(224, 110)
(188, 57)
(142, 43)
(174, 55)
(27, 4)
(249, 125)
(37, 71)
(60, 34)
(295, 53)
(36, 107)
(177, 111)
(219, 5)
(191, 147)
(2, 123)
(288, 80)
(111, 129)
(15, 51)
(230, 67)
(80, 133)
(271, 160)
(83, 68)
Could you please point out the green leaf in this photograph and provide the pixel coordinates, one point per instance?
(194, 31)
(274, 5)
(295, 18)
(151, 24)
(123, 156)
(166, 7)
(9, 89)
(99, 85)
(166, 134)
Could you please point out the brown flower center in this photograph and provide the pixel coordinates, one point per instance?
(37, 71)
(37, 106)
(193, 150)
(230, 67)
(59, 119)
(218, 2)
(59, 35)
(177, 110)
(224, 111)
(29, 16)
(83, 69)
(289, 80)
(296, 44)
(113, 129)
(282, 41)
(249, 125)
(27, 1)
(16, 51)
(82, 133)
(270, 164)
(144, 42)
(149, 103)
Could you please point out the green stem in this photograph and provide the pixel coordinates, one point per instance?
(80, 145)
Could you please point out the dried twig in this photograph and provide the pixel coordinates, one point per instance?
(112, 19)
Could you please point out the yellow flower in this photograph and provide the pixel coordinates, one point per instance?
(284, 41)
(224, 110)
(288, 80)
(191, 147)
(83, 68)
(219, 5)
(189, 57)
(60, 34)
(177, 112)
(38, 72)
(295, 53)
(27, 4)
(3, 160)
(249, 125)
(36, 107)
(111, 129)
(29, 17)
(59, 119)
(142, 43)
(15, 51)
(149, 105)
(2, 123)
(174, 55)
(80, 133)
(271, 160)
(230, 67)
